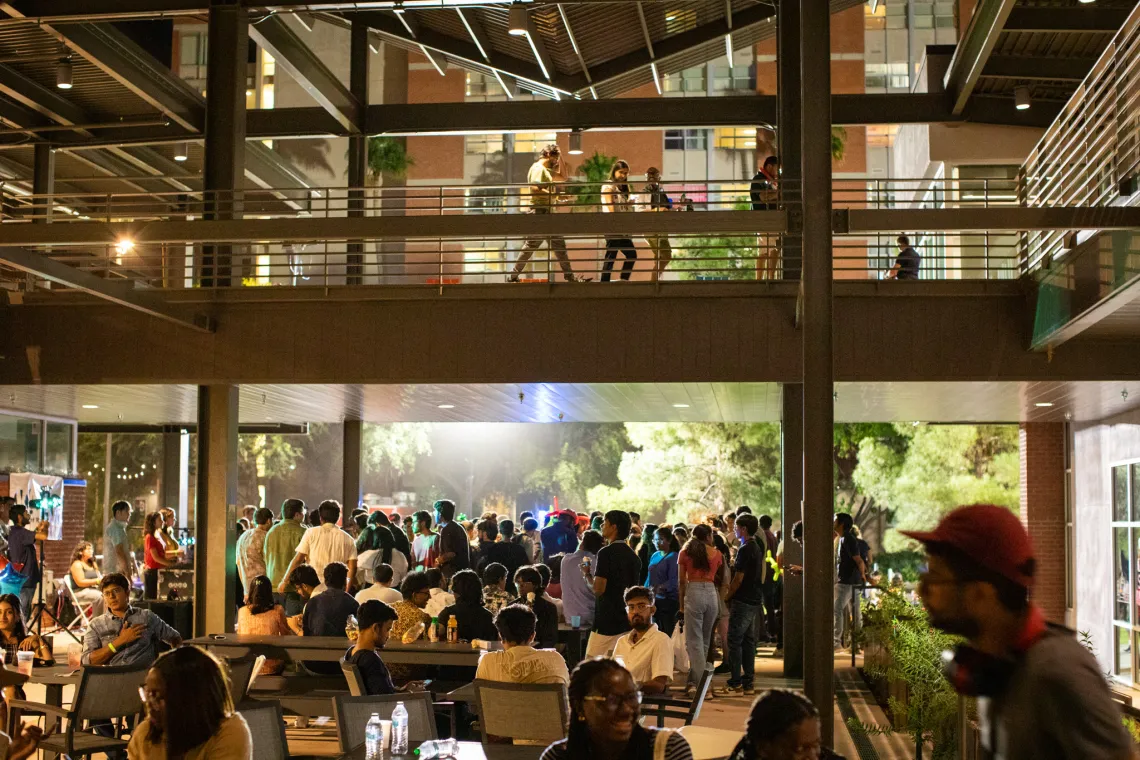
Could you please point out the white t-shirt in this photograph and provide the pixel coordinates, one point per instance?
(383, 593)
(326, 544)
(651, 657)
(366, 566)
(523, 664)
(440, 600)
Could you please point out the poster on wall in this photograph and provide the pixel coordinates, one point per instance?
(44, 491)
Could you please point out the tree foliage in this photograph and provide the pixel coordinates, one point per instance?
(262, 458)
(588, 456)
(589, 177)
(392, 450)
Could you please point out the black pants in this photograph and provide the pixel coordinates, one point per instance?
(150, 583)
(613, 245)
(666, 615)
(772, 600)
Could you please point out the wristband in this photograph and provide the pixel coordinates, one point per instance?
(111, 646)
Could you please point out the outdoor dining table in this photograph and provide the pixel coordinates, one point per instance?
(54, 678)
(332, 649)
(468, 751)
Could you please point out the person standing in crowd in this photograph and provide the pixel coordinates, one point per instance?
(663, 580)
(658, 201)
(645, 650)
(645, 549)
(519, 551)
(280, 547)
(782, 725)
(907, 263)
(554, 587)
(615, 199)
(251, 548)
(519, 661)
(530, 538)
(117, 557)
(495, 594)
(578, 598)
(474, 620)
(544, 177)
(382, 588)
(124, 635)
(561, 535)
(604, 709)
(529, 583)
(544, 590)
(22, 553)
(508, 554)
(1040, 692)
(851, 576)
(699, 572)
(168, 536)
(190, 714)
(401, 542)
(617, 569)
(154, 554)
(262, 616)
(85, 577)
(745, 597)
(324, 545)
(376, 546)
(729, 534)
(764, 193)
(770, 547)
(424, 551)
(454, 548)
(6, 503)
(327, 613)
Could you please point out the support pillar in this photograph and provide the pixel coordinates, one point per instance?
(215, 513)
(792, 494)
(392, 198)
(353, 443)
(43, 181)
(171, 470)
(819, 410)
(226, 69)
(788, 134)
(357, 145)
(1043, 509)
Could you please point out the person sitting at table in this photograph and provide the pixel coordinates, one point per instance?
(327, 613)
(783, 725)
(519, 661)
(124, 635)
(474, 620)
(381, 588)
(645, 650)
(304, 579)
(554, 588)
(85, 577)
(604, 707)
(410, 613)
(544, 571)
(15, 637)
(375, 619)
(440, 598)
(495, 594)
(529, 582)
(261, 616)
(190, 714)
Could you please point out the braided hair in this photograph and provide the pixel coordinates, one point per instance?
(774, 713)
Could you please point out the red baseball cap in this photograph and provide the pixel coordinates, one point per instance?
(988, 534)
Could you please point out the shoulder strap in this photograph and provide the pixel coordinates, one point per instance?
(661, 743)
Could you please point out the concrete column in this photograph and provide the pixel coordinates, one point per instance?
(1042, 448)
(357, 145)
(353, 441)
(226, 71)
(392, 201)
(43, 181)
(215, 514)
(171, 470)
(788, 133)
(819, 410)
(792, 493)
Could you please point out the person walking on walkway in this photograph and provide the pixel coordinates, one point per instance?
(615, 199)
(658, 201)
(700, 569)
(1040, 692)
(852, 575)
(544, 177)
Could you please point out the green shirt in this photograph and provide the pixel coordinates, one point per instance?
(280, 548)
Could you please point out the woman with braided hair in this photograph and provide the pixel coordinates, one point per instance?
(783, 725)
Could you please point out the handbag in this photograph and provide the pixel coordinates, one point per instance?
(680, 654)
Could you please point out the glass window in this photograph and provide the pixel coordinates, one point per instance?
(686, 139)
(19, 444)
(59, 444)
(735, 138)
(1120, 494)
(1122, 565)
(1123, 658)
(482, 144)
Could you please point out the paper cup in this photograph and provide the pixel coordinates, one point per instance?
(24, 662)
(575, 621)
(385, 735)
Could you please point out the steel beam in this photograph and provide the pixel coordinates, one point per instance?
(215, 509)
(988, 219)
(470, 19)
(1030, 67)
(291, 53)
(357, 144)
(974, 50)
(44, 101)
(43, 182)
(77, 279)
(1074, 18)
(353, 441)
(993, 109)
(789, 88)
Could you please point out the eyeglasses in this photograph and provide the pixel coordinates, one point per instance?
(615, 702)
(928, 580)
(639, 607)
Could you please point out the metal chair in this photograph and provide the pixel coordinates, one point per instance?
(243, 671)
(687, 710)
(546, 707)
(352, 714)
(267, 728)
(83, 612)
(354, 679)
(109, 693)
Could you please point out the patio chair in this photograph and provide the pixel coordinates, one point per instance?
(500, 704)
(354, 679)
(679, 708)
(243, 671)
(109, 693)
(83, 612)
(352, 714)
(267, 728)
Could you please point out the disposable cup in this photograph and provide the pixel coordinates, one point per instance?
(385, 734)
(24, 662)
(575, 621)
(74, 656)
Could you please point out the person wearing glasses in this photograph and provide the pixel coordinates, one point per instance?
(545, 176)
(604, 707)
(124, 635)
(645, 650)
(615, 199)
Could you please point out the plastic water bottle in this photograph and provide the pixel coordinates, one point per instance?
(437, 748)
(400, 730)
(373, 738)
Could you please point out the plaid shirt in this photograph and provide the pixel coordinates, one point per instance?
(106, 628)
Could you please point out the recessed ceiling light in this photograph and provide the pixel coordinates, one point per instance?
(447, 406)
(680, 406)
(1044, 404)
(90, 406)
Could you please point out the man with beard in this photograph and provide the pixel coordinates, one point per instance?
(1040, 692)
(645, 650)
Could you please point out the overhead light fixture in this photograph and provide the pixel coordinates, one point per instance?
(1086, 2)
(517, 20)
(125, 245)
(447, 406)
(181, 151)
(63, 74)
(1021, 99)
(1043, 404)
(728, 48)
(656, 76)
(575, 142)
(90, 406)
(680, 406)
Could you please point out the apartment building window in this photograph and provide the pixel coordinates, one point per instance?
(689, 80)
(477, 145)
(735, 138)
(687, 139)
(483, 87)
(739, 77)
(1126, 548)
(192, 58)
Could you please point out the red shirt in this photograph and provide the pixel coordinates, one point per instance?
(694, 574)
(151, 547)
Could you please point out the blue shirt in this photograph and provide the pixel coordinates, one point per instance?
(663, 574)
(577, 597)
(115, 535)
(106, 628)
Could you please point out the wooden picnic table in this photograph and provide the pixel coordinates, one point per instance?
(469, 751)
(332, 649)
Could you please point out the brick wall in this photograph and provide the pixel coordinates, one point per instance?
(1042, 446)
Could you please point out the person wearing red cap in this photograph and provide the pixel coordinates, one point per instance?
(561, 535)
(1040, 692)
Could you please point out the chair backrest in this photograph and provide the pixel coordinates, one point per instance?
(354, 679)
(546, 707)
(242, 672)
(267, 728)
(110, 691)
(679, 709)
(352, 714)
